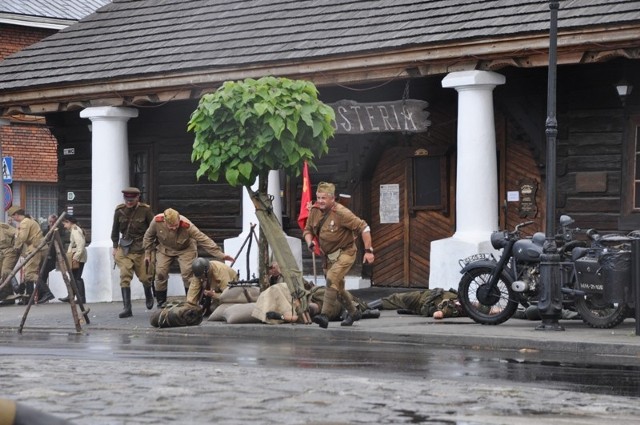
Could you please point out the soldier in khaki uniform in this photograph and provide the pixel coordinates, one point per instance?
(130, 220)
(18, 413)
(174, 237)
(216, 273)
(336, 228)
(28, 237)
(8, 260)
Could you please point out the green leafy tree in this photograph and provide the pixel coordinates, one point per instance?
(247, 128)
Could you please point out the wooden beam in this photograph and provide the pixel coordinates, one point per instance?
(432, 59)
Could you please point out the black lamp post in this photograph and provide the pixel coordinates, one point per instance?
(550, 303)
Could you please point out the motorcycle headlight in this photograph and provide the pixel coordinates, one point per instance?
(539, 238)
(498, 240)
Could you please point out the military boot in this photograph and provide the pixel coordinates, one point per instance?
(44, 293)
(148, 296)
(353, 314)
(126, 300)
(28, 288)
(5, 293)
(371, 314)
(329, 304)
(161, 298)
(351, 317)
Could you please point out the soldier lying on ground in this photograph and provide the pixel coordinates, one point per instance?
(274, 305)
(436, 303)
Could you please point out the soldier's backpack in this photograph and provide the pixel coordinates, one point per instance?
(177, 314)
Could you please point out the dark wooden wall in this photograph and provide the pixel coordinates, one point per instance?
(74, 170)
(591, 121)
(215, 207)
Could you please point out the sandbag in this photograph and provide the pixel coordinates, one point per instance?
(240, 294)
(177, 314)
(240, 313)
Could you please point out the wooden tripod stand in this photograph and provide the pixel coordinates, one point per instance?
(55, 245)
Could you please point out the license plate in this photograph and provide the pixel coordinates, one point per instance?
(476, 257)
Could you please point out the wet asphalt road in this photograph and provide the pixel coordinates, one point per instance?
(115, 377)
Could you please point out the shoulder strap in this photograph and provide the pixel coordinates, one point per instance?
(126, 233)
(320, 223)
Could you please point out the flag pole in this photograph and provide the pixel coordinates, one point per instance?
(315, 275)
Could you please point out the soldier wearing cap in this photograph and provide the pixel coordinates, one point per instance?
(27, 241)
(174, 237)
(130, 220)
(335, 228)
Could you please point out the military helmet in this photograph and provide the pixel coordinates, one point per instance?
(199, 267)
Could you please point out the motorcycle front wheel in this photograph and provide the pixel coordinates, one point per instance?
(597, 313)
(488, 306)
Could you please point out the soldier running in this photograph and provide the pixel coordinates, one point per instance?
(336, 227)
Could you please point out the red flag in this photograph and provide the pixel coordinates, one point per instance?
(305, 199)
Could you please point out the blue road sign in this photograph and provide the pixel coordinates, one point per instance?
(7, 169)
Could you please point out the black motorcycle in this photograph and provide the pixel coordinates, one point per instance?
(603, 275)
(491, 289)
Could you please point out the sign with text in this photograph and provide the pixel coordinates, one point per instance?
(408, 116)
(7, 169)
(389, 203)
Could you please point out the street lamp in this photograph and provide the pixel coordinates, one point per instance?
(624, 90)
(550, 303)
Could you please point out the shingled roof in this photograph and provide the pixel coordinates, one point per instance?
(52, 12)
(134, 45)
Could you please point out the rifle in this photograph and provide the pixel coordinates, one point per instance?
(205, 300)
(251, 282)
(152, 276)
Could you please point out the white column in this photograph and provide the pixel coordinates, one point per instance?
(109, 175)
(233, 245)
(477, 176)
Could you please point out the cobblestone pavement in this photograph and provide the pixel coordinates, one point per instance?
(160, 392)
(94, 387)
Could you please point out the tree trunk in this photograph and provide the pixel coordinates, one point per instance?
(272, 230)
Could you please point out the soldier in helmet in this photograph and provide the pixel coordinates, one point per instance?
(175, 237)
(210, 278)
(130, 220)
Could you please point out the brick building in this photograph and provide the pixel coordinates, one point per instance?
(26, 139)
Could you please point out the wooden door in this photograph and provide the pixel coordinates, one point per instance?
(403, 248)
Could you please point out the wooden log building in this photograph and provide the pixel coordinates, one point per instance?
(157, 58)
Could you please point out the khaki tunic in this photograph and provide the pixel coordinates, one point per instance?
(180, 244)
(133, 261)
(28, 237)
(219, 275)
(337, 239)
(338, 230)
(8, 254)
(140, 218)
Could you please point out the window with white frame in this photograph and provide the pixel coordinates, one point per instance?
(41, 201)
